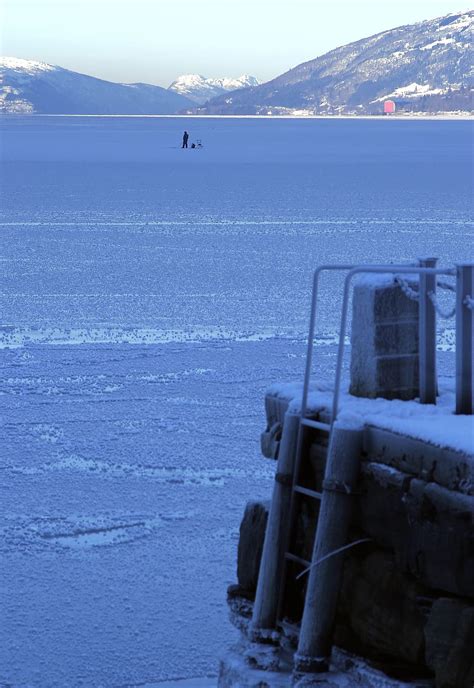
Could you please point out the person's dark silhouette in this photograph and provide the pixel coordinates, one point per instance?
(185, 139)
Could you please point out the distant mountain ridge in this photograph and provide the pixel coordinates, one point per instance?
(200, 89)
(425, 67)
(29, 86)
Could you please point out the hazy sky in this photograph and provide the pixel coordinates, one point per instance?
(156, 40)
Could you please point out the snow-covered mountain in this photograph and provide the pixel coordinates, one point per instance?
(425, 67)
(28, 86)
(200, 89)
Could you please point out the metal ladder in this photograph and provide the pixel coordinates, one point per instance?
(307, 427)
(306, 424)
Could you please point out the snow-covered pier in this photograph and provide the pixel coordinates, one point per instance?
(360, 571)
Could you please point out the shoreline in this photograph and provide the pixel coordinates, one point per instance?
(440, 117)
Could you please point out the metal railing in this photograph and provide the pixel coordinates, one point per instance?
(329, 267)
(312, 327)
(426, 297)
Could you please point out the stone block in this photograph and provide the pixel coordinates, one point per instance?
(252, 535)
(381, 510)
(445, 467)
(389, 301)
(384, 355)
(430, 528)
(439, 548)
(270, 441)
(275, 409)
(396, 377)
(378, 611)
(449, 637)
(396, 338)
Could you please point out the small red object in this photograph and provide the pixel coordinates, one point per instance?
(389, 107)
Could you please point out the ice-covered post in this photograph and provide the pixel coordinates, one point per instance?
(384, 338)
(464, 337)
(267, 598)
(325, 574)
(427, 333)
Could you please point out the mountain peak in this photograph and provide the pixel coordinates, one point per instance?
(29, 86)
(201, 89)
(27, 66)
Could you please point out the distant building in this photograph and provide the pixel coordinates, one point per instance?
(388, 107)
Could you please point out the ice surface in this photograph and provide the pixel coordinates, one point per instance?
(149, 298)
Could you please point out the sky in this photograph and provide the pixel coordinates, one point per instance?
(154, 41)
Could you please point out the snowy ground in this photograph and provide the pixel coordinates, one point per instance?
(149, 297)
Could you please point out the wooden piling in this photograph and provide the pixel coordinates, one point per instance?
(464, 338)
(265, 609)
(427, 334)
(314, 647)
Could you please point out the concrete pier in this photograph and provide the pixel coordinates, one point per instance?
(387, 509)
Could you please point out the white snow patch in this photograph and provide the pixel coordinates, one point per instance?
(413, 90)
(441, 41)
(26, 66)
(95, 536)
(435, 424)
(200, 88)
(446, 340)
(202, 477)
(464, 20)
(374, 280)
(11, 337)
(346, 671)
(77, 531)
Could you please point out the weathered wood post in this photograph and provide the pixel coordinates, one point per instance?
(267, 598)
(464, 338)
(427, 333)
(324, 582)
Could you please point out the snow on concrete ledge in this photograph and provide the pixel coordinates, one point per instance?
(435, 424)
(381, 280)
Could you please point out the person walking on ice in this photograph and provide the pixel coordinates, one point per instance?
(185, 139)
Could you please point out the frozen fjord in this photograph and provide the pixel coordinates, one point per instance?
(149, 297)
